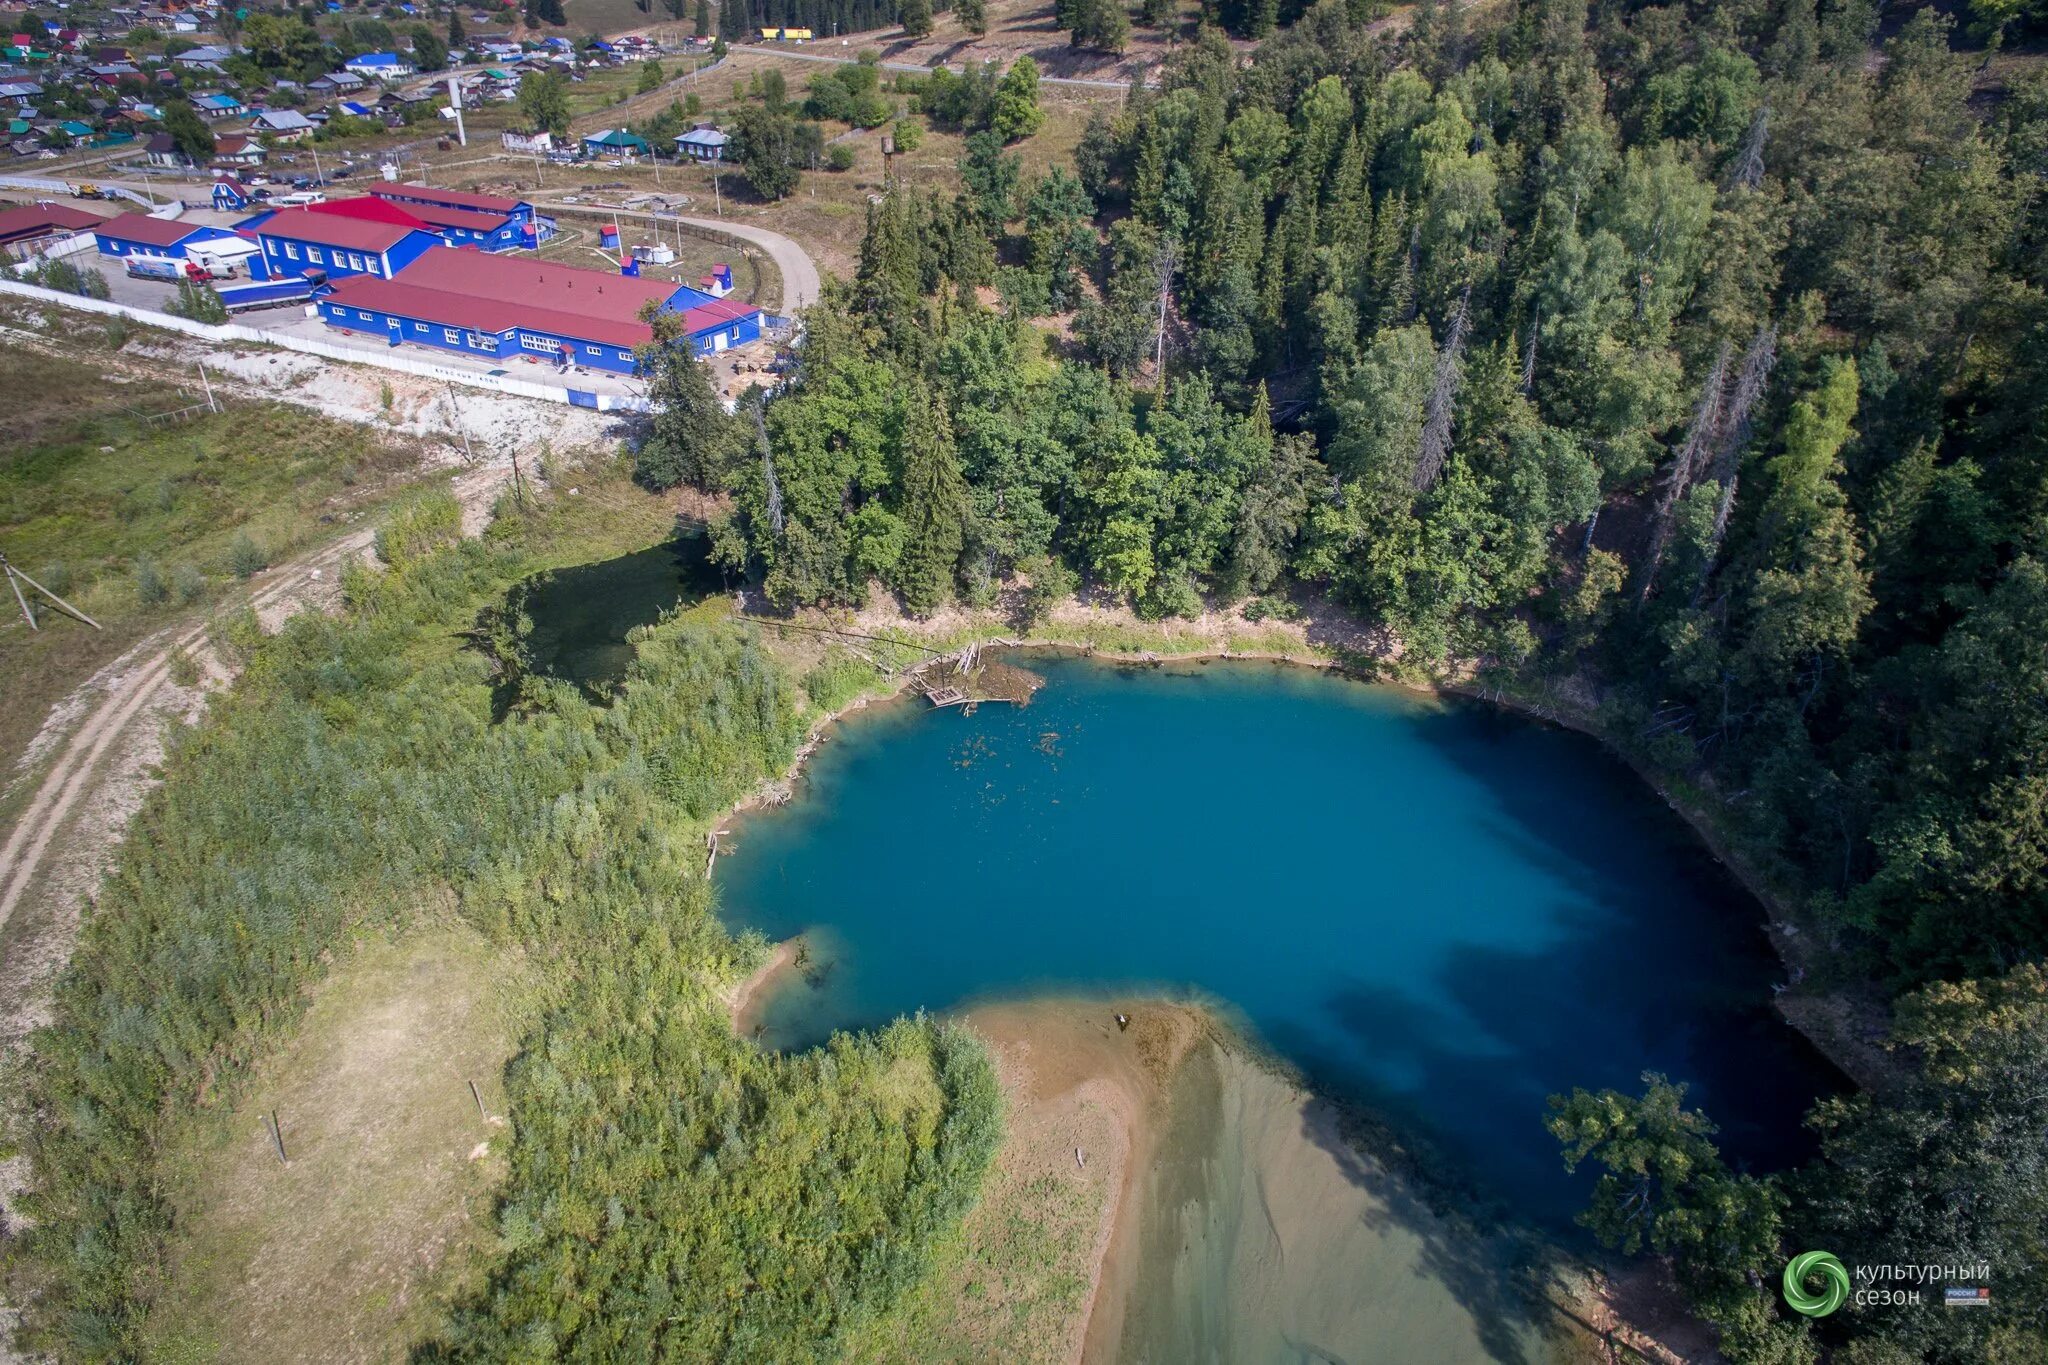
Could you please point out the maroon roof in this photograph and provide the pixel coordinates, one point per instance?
(140, 227)
(36, 220)
(454, 199)
(446, 309)
(485, 293)
(441, 216)
(567, 289)
(330, 229)
(717, 311)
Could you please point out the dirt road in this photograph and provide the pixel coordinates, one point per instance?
(140, 686)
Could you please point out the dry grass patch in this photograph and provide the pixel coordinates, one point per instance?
(351, 1250)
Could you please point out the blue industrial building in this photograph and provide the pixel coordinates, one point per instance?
(490, 222)
(299, 240)
(505, 308)
(138, 234)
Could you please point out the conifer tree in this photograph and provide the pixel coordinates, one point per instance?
(933, 503)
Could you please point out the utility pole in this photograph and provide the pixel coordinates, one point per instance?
(15, 578)
(462, 428)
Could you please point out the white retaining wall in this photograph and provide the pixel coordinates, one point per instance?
(354, 355)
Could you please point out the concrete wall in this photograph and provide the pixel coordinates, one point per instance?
(419, 365)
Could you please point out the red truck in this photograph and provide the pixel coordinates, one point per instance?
(168, 268)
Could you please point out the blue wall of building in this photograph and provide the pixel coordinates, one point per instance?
(542, 346)
(706, 342)
(284, 255)
(120, 246)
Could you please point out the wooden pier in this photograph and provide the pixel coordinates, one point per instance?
(952, 669)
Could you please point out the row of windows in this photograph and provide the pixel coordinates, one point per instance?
(453, 336)
(346, 260)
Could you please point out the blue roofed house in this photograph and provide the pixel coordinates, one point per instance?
(218, 106)
(380, 66)
(702, 143)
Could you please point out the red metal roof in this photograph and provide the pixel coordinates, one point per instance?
(717, 311)
(446, 309)
(476, 220)
(370, 210)
(487, 293)
(454, 199)
(329, 229)
(34, 220)
(140, 227)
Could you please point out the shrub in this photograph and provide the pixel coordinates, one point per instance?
(246, 557)
(149, 583)
(839, 157)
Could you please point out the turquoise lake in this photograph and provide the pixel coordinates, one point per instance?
(1440, 913)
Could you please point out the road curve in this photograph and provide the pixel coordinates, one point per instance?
(800, 286)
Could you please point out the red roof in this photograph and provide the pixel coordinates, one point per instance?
(36, 220)
(370, 210)
(330, 229)
(140, 227)
(717, 311)
(454, 199)
(485, 293)
(436, 215)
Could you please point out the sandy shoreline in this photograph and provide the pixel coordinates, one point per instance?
(1073, 1082)
(743, 999)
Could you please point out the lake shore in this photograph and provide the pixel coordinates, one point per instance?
(743, 999)
(1848, 1030)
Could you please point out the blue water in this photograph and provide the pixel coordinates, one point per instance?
(1440, 913)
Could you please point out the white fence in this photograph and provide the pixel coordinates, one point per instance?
(354, 355)
(49, 186)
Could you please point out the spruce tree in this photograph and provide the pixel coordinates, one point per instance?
(933, 500)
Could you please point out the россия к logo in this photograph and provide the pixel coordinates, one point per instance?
(1805, 1268)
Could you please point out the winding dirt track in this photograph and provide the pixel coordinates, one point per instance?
(139, 677)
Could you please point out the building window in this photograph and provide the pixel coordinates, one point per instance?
(270, 248)
(625, 355)
(451, 336)
(313, 255)
(291, 249)
(419, 326)
(361, 314)
(593, 350)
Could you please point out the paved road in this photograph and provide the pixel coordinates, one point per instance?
(800, 285)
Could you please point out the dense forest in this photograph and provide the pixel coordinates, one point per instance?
(674, 1191)
(1686, 362)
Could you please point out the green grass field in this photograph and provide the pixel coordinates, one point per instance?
(138, 521)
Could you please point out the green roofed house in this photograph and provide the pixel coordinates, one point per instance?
(616, 142)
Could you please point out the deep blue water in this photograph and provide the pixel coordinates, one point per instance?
(1439, 912)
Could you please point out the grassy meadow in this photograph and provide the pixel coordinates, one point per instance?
(139, 521)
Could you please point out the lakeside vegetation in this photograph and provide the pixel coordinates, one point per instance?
(672, 1189)
(1688, 360)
